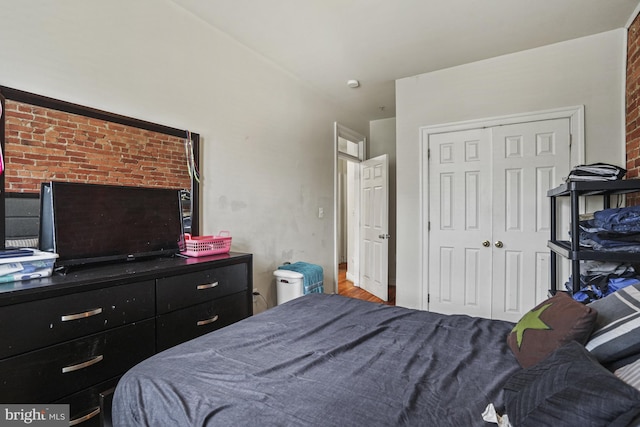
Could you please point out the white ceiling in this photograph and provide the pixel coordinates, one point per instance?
(324, 43)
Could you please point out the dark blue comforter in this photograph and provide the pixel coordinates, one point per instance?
(325, 360)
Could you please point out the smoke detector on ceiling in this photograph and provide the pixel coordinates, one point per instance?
(353, 83)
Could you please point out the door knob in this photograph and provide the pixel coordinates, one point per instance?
(499, 244)
(486, 243)
(383, 236)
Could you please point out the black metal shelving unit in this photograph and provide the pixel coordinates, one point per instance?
(571, 249)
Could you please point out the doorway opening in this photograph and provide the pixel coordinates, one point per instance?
(350, 149)
(348, 289)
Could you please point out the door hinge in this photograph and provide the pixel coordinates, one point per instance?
(570, 140)
(428, 225)
(428, 153)
(428, 298)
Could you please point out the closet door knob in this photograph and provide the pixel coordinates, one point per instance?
(498, 244)
(486, 243)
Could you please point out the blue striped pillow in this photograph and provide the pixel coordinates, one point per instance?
(616, 334)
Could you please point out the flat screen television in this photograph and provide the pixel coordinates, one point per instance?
(90, 223)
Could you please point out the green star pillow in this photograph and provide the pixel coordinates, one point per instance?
(552, 323)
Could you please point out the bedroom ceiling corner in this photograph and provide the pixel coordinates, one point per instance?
(325, 43)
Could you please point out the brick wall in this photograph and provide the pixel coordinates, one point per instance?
(44, 145)
(633, 107)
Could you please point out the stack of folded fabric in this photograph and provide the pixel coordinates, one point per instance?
(596, 172)
(608, 230)
(615, 229)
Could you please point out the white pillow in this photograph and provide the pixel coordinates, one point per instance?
(630, 374)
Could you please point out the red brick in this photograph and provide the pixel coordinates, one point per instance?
(88, 150)
(633, 104)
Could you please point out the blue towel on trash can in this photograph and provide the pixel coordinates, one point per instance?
(312, 276)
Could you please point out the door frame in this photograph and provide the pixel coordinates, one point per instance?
(340, 131)
(575, 114)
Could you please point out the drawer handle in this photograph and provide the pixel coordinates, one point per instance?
(208, 286)
(82, 365)
(77, 316)
(207, 321)
(82, 419)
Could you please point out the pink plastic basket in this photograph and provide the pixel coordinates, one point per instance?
(207, 245)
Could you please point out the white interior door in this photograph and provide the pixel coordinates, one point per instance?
(528, 159)
(460, 222)
(489, 216)
(374, 226)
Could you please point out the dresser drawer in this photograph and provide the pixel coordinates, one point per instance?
(177, 292)
(51, 373)
(182, 325)
(28, 326)
(86, 408)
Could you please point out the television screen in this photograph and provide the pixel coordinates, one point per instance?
(86, 223)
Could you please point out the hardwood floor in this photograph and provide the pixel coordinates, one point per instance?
(347, 289)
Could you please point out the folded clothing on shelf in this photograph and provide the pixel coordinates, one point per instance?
(599, 279)
(608, 230)
(596, 172)
(615, 229)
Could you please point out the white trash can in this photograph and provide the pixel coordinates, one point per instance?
(289, 285)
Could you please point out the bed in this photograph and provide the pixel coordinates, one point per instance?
(328, 360)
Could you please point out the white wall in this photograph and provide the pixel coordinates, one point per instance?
(588, 71)
(267, 149)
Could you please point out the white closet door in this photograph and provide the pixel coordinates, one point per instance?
(489, 216)
(528, 159)
(460, 222)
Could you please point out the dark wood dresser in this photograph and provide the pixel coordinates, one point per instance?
(69, 338)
